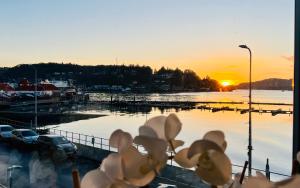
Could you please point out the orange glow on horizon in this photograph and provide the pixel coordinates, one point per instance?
(226, 83)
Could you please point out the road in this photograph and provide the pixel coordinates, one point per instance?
(43, 172)
(39, 172)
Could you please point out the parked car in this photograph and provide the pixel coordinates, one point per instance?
(56, 146)
(6, 132)
(24, 137)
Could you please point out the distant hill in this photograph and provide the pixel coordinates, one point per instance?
(269, 84)
(112, 77)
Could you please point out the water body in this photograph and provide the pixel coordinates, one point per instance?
(268, 96)
(272, 135)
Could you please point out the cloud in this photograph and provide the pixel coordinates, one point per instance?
(288, 58)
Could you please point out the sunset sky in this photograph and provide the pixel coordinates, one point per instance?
(201, 35)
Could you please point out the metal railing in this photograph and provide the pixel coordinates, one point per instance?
(87, 140)
(103, 143)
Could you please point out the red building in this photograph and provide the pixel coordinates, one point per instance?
(42, 88)
(6, 87)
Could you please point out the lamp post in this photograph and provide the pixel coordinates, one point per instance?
(250, 109)
(35, 97)
(10, 173)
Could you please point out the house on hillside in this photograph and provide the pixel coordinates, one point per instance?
(43, 89)
(5, 87)
(6, 91)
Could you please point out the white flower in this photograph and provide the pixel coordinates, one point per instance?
(128, 167)
(208, 156)
(260, 181)
(165, 128)
(120, 140)
(298, 157)
(293, 182)
(96, 179)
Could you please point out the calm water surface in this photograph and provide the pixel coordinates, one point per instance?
(272, 135)
(236, 95)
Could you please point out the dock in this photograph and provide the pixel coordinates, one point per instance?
(202, 105)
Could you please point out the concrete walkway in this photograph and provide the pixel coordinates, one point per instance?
(40, 172)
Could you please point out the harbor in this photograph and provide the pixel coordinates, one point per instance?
(208, 105)
(150, 94)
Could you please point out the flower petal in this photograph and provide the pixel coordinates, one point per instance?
(147, 131)
(158, 125)
(257, 182)
(214, 167)
(216, 136)
(96, 179)
(260, 175)
(175, 144)
(235, 183)
(156, 165)
(121, 184)
(133, 166)
(182, 159)
(292, 182)
(120, 139)
(172, 126)
(112, 166)
(201, 146)
(143, 180)
(155, 146)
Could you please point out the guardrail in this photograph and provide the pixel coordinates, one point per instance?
(88, 140)
(103, 143)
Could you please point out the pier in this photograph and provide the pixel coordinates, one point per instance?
(201, 105)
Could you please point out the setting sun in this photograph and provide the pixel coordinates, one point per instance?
(226, 83)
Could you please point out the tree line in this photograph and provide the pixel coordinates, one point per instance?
(132, 76)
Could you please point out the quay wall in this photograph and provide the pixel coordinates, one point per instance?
(92, 153)
(170, 174)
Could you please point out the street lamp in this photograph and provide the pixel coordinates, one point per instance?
(250, 108)
(35, 96)
(10, 173)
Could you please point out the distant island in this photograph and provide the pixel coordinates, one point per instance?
(112, 78)
(269, 84)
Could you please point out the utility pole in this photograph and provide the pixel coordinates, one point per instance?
(35, 99)
(250, 148)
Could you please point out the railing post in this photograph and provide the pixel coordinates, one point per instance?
(93, 141)
(67, 134)
(171, 158)
(72, 136)
(85, 139)
(243, 172)
(79, 138)
(59, 132)
(268, 170)
(101, 143)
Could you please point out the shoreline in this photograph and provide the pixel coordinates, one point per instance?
(176, 92)
(26, 119)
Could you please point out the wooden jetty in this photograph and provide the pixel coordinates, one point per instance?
(213, 106)
(189, 105)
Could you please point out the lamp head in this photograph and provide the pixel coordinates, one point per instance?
(243, 46)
